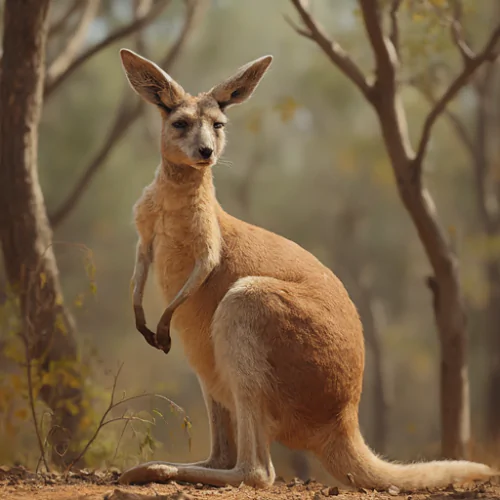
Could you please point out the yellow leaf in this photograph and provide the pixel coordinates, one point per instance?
(93, 288)
(14, 352)
(60, 325)
(78, 302)
(254, 123)
(21, 414)
(43, 279)
(72, 408)
(17, 382)
(85, 422)
(287, 108)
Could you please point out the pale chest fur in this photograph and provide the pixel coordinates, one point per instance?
(185, 228)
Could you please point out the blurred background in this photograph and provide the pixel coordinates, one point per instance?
(305, 159)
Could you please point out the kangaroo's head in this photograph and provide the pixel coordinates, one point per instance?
(192, 126)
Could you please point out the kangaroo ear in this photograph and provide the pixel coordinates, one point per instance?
(240, 87)
(150, 81)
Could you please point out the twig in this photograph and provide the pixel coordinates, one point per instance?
(46, 440)
(67, 55)
(456, 122)
(60, 24)
(456, 85)
(125, 117)
(331, 48)
(394, 33)
(119, 441)
(31, 400)
(131, 418)
(116, 35)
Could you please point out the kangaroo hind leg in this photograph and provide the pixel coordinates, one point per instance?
(242, 363)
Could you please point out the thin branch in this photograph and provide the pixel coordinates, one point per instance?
(457, 32)
(130, 418)
(60, 24)
(119, 441)
(126, 115)
(383, 50)
(31, 400)
(488, 52)
(331, 48)
(64, 59)
(454, 119)
(115, 36)
(394, 33)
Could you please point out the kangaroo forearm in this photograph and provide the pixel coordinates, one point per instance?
(139, 279)
(201, 271)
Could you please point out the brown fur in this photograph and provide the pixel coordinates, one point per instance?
(271, 333)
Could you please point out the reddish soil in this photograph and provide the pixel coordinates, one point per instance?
(19, 484)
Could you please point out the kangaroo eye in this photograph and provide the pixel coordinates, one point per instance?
(218, 125)
(180, 124)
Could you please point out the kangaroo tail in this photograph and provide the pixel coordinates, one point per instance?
(350, 460)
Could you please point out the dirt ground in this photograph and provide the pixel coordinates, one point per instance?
(19, 484)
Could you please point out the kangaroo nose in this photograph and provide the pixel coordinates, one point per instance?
(206, 153)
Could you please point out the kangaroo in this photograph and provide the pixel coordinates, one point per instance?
(271, 333)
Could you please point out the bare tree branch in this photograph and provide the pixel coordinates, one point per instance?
(114, 36)
(125, 117)
(394, 34)
(457, 124)
(60, 24)
(331, 48)
(383, 50)
(64, 59)
(457, 32)
(488, 52)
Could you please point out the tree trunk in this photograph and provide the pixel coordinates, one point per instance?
(25, 235)
(448, 303)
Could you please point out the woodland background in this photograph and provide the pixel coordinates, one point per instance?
(305, 159)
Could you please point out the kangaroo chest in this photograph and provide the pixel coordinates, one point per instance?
(180, 238)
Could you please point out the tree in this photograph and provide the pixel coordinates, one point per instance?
(24, 230)
(47, 327)
(384, 97)
(478, 140)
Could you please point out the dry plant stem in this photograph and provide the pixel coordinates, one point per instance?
(115, 36)
(31, 399)
(111, 406)
(127, 422)
(407, 165)
(45, 442)
(126, 115)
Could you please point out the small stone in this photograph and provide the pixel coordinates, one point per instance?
(317, 496)
(333, 491)
(198, 486)
(325, 492)
(393, 490)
